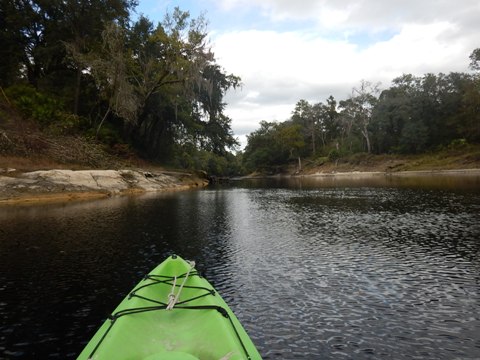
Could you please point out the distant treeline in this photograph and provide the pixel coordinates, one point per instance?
(88, 68)
(414, 115)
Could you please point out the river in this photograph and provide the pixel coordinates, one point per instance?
(335, 268)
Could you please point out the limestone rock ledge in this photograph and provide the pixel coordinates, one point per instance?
(77, 184)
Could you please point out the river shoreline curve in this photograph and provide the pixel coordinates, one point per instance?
(72, 185)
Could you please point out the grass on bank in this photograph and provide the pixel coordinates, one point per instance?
(461, 156)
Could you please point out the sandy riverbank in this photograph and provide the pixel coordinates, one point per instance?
(455, 172)
(73, 185)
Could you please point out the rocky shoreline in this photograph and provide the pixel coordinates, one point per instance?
(65, 185)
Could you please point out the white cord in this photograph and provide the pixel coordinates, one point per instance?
(172, 298)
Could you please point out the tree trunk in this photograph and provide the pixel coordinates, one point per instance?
(101, 123)
(313, 142)
(367, 139)
(76, 101)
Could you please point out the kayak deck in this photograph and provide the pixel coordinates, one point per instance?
(172, 314)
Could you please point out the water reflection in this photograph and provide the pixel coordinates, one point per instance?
(368, 271)
(359, 273)
(428, 180)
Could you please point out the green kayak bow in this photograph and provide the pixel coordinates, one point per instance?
(172, 314)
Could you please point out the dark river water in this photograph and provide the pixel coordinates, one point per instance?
(385, 268)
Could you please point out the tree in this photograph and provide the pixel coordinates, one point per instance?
(22, 36)
(475, 60)
(289, 139)
(84, 21)
(330, 118)
(13, 21)
(468, 124)
(163, 83)
(304, 116)
(414, 137)
(469, 127)
(260, 150)
(175, 70)
(347, 124)
(217, 134)
(48, 25)
(109, 66)
(326, 120)
(390, 114)
(363, 101)
(273, 145)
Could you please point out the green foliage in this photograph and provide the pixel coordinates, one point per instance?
(475, 60)
(34, 104)
(108, 134)
(12, 40)
(273, 144)
(318, 124)
(458, 144)
(190, 158)
(321, 160)
(413, 139)
(66, 124)
(333, 155)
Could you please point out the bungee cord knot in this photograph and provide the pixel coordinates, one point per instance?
(172, 297)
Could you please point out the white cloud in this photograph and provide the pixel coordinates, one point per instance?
(417, 49)
(370, 14)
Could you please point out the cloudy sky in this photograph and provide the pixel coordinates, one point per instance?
(287, 50)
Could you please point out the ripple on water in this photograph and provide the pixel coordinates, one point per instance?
(363, 274)
(354, 273)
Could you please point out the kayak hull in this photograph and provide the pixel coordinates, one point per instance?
(199, 326)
